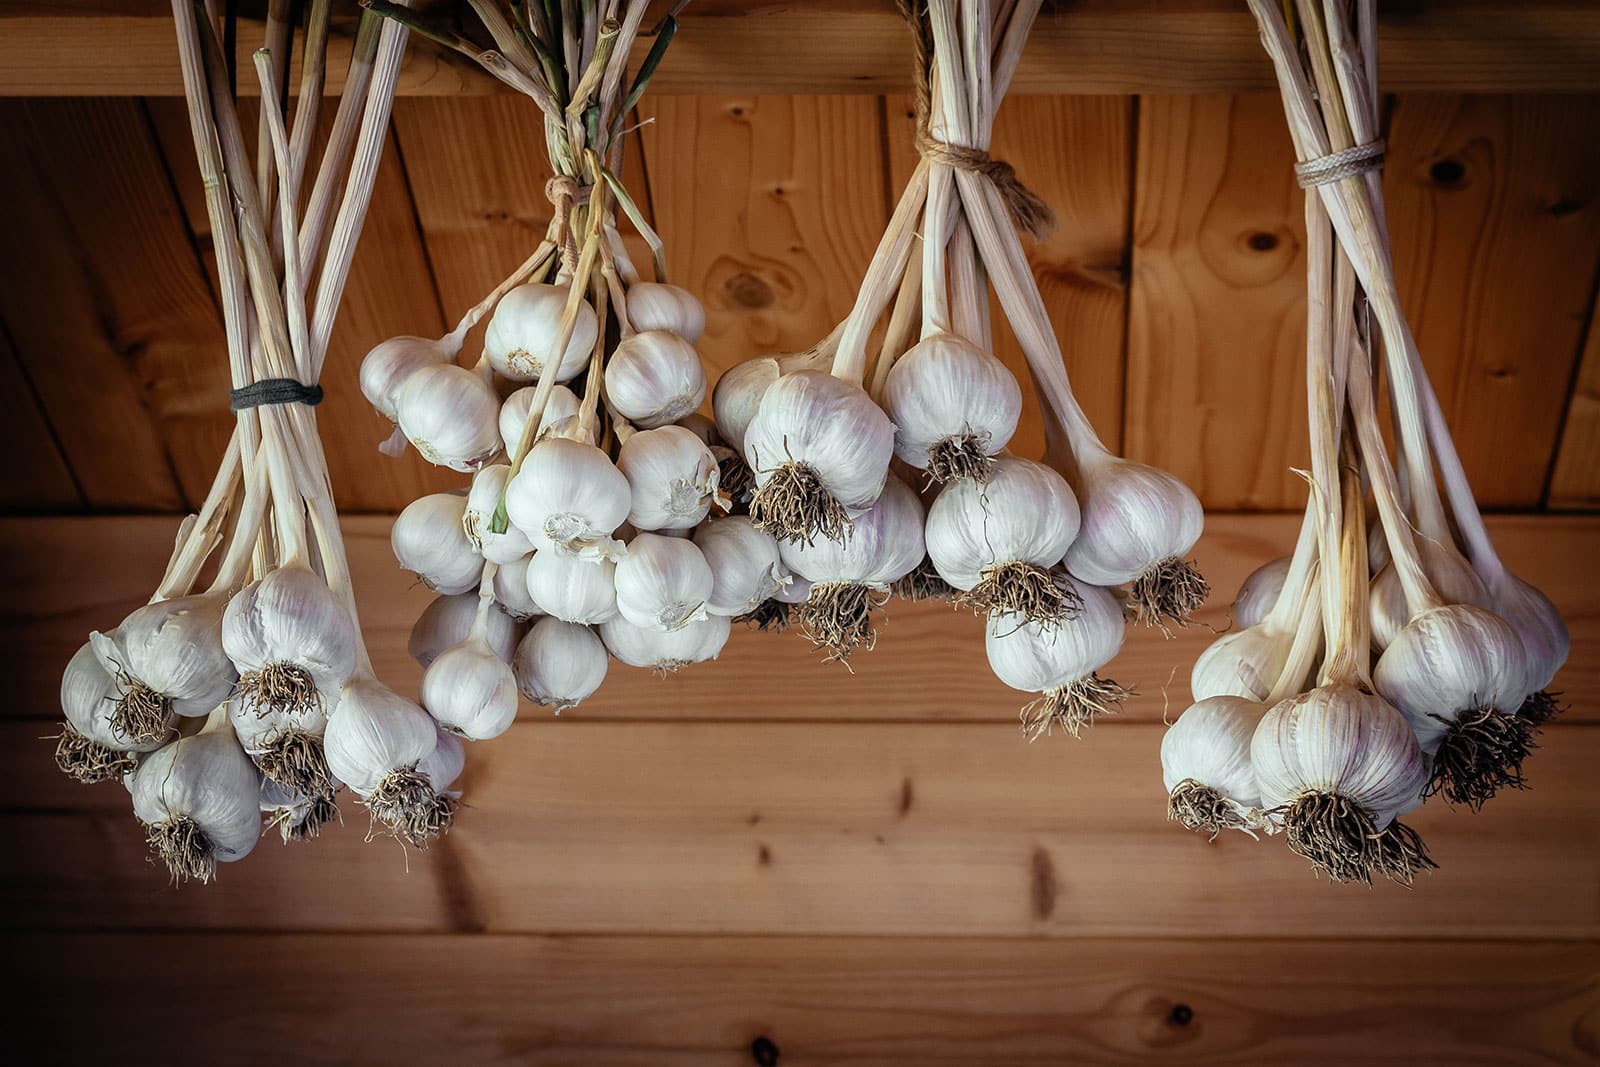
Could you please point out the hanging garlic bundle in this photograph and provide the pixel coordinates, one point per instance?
(1433, 666)
(591, 479)
(220, 699)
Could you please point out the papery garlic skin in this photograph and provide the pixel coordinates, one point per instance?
(257, 725)
(659, 306)
(93, 747)
(662, 583)
(885, 543)
(1544, 635)
(1451, 576)
(470, 690)
(1210, 745)
(572, 589)
(450, 414)
(510, 588)
(827, 426)
(666, 651)
(1133, 516)
(374, 732)
(297, 816)
(701, 427)
(672, 477)
(1258, 593)
(477, 519)
(746, 568)
(388, 366)
(443, 766)
(205, 781)
(737, 397)
(1024, 512)
(569, 497)
(1035, 659)
(447, 620)
(944, 389)
(1449, 661)
(429, 539)
(291, 618)
(655, 378)
(562, 405)
(1245, 663)
(559, 664)
(524, 329)
(174, 648)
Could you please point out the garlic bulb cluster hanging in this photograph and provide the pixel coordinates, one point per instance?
(1364, 681)
(1055, 554)
(593, 527)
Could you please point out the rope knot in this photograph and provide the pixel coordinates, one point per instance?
(565, 187)
(1336, 166)
(1030, 213)
(270, 391)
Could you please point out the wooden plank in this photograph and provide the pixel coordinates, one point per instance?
(38, 478)
(705, 1001)
(1494, 211)
(928, 666)
(770, 208)
(1074, 152)
(389, 292)
(106, 306)
(812, 828)
(1216, 330)
(1094, 47)
(1575, 481)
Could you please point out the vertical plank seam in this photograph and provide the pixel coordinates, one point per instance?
(1574, 374)
(1127, 270)
(9, 343)
(636, 135)
(886, 168)
(171, 178)
(393, 136)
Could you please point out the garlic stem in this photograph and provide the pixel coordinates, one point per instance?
(191, 550)
(288, 196)
(1304, 645)
(346, 121)
(533, 266)
(881, 281)
(897, 337)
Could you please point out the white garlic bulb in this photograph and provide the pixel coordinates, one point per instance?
(1060, 661)
(1451, 576)
(746, 568)
(663, 582)
(386, 369)
(569, 497)
(573, 589)
(297, 816)
(559, 664)
(284, 742)
(737, 397)
(197, 798)
(470, 690)
(169, 655)
(655, 378)
(672, 477)
(1258, 593)
(477, 519)
(562, 405)
(510, 587)
(95, 745)
(659, 306)
(885, 543)
(524, 329)
(443, 766)
(374, 742)
(447, 620)
(666, 651)
(291, 639)
(819, 449)
(953, 406)
(1245, 663)
(1544, 635)
(1205, 765)
(449, 414)
(1138, 523)
(701, 427)
(429, 539)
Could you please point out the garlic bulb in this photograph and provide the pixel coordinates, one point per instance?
(93, 746)
(290, 638)
(167, 656)
(470, 690)
(483, 499)
(659, 306)
(1449, 574)
(737, 397)
(443, 766)
(197, 798)
(1458, 674)
(1060, 662)
(701, 427)
(1342, 762)
(569, 497)
(510, 587)
(386, 369)
(655, 378)
(662, 583)
(1245, 663)
(1205, 765)
(672, 477)
(573, 589)
(562, 405)
(450, 414)
(447, 620)
(296, 816)
(666, 651)
(819, 449)
(524, 329)
(559, 664)
(746, 569)
(998, 540)
(1138, 522)
(374, 742)
(285, 743)
(953, 405)
(1544, 635)
(430, 540)
(1259, 592)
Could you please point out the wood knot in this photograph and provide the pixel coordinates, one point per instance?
(764, 1051)
(748, 291)
(1042, 884)
(1448, 173)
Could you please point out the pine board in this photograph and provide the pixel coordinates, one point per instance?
(1575, 479)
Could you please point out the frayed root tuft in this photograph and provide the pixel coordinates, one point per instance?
(794, 506)
(1041, 595)
(960, 456)
(142, 716)
(184, 848)
(923, 583)
(1341, 840)
(285, 687)
(1169, 591)
(734, 478)
(407, 806)
(295, 760)
(1482, 753)
(89, 761)
(838, 617)
(1540, 708)
(1204, 810)
(303, 823)
(769, 616)
(1072, 707)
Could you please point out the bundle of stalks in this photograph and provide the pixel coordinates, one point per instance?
(1054, 554)
(1431, 661)
(243, 686)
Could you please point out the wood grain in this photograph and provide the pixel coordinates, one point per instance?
(1494, 211)
(811, 828)
(39, 478)
(819, 1001)
(1575, 479)
(1216, 327)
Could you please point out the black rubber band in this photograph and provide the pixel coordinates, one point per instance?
(271, 391)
